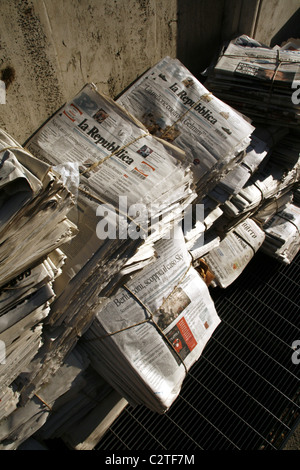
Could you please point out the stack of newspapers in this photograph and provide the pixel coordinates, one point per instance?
(234, 252)
(133, 187)
(283, 234)
(84, 412)
(203, 236)
(154, 328)
(176, 107)
(34, 224)
(260, 81)
(277, 177)
(221, 145)
(27, 419)
(230, 158)
(116, 217)
(263, 84)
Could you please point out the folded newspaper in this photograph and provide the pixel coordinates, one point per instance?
(34, 207)
(279, 175)
(24, 304)
(176, 107)
(154, 328)
(259, 81)
(34, 204)
(283, 234)
(236, 249)
(24, 421)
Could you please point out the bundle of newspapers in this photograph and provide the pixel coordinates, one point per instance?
(234, 252)
(263, 83)
(82, 414)
(33, 212)
(230, 159)
(154, 328)
(283, 234)
(259, 81)
(34, 224)
(278, 176)
(133, 187)
(162, 184)
(26, 420)
(176, 107)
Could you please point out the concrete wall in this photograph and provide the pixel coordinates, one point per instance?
(50, 48)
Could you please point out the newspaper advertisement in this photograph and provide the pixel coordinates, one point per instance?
(234, 252)
(155, 360)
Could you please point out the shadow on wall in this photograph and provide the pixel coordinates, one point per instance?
(291, 29)
(199, 33)
(203, 26)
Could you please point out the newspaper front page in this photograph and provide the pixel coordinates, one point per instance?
(175, 106)
(154, 328)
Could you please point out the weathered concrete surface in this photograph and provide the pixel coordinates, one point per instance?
(54, 47)
(49, 49)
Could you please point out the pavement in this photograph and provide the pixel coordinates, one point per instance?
(293, 442)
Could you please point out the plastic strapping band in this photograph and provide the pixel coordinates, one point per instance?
(43, 401)
(100, 162)
(262, 197)
(13, 148)
(160, 331)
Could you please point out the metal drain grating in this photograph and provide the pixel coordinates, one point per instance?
(244, 392)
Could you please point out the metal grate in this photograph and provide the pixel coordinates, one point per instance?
(244, 392)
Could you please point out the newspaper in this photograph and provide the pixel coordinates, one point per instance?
(84, 412)
(26, 420)
(136, 179)
(34, 208)
(175, 106)
(34, 224)
(236, 179)
(283, 234)
(234, 252)
(154, 328)
(9, 401)
(259, 81)
(117, 158)
(271, 182)
(271, 206)
(24, 305)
